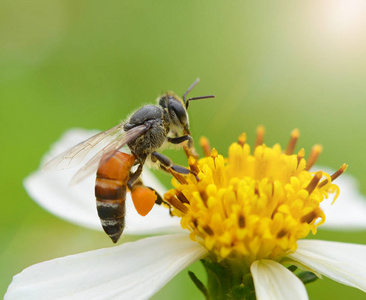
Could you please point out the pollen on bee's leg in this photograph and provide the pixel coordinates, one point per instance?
(334, 176)
(292, 142)
(143, 199)
(260, 136)
(315, 152)
(205, 145)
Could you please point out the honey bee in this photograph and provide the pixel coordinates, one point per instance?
(145, 132)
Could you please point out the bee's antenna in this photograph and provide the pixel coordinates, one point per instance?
(194, 98)
(189, 89)
(197, 98)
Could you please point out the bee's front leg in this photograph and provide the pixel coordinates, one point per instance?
(187, 147)
(181, 139)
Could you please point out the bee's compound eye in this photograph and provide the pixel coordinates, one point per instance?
(177, 107)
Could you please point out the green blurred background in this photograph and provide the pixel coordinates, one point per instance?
(281, 64)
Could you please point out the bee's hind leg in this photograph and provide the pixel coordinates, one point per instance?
(136, 182)
(134, 176)
(160, 201)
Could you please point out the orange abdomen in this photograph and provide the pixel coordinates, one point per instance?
(110, 192)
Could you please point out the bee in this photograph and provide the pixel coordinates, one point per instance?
(146, 131)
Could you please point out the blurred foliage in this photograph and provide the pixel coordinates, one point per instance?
(88, 64)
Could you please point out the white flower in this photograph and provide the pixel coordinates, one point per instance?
(139, 269)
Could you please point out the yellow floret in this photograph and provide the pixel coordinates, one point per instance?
(252, 206)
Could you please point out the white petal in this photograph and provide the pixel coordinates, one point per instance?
(134, 270)
(349, 210)
(273, 281)
(76, 203)
(342, 262)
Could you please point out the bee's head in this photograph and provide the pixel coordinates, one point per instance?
(177, 111)
(177, 107)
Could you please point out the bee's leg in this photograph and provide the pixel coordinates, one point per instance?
(134, 176)
(167, 164)
(162, 168)
(138, 183)
(187, 147)
(160, 201)
(181, 139)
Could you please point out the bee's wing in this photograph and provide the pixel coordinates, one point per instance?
(108, 151)
(74, 156)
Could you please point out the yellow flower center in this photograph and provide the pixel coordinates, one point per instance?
(251, 205)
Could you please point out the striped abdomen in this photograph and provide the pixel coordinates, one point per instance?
(110, 193)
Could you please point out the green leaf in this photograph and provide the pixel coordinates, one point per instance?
(199, 285)
(307, 277)
(292, 268)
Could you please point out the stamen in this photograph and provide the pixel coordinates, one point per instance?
(260, 136)
(205, 145)
(256, 189)
(292, 143)
(315, 152)
(281, 233)
(193, 165)
(181, 179)
(334, 176)
(214, 155)
(190, 151)
(314, 182)
(182, 198)
(308, 218)
(241, 221)
(208, 230)
(242, 139)
(300, 156)
(173, 201)
(204, 197)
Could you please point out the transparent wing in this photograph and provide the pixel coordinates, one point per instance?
(74, 156)
(107, 143)
(107, 152)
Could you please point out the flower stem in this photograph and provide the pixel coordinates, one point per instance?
(224, 281)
